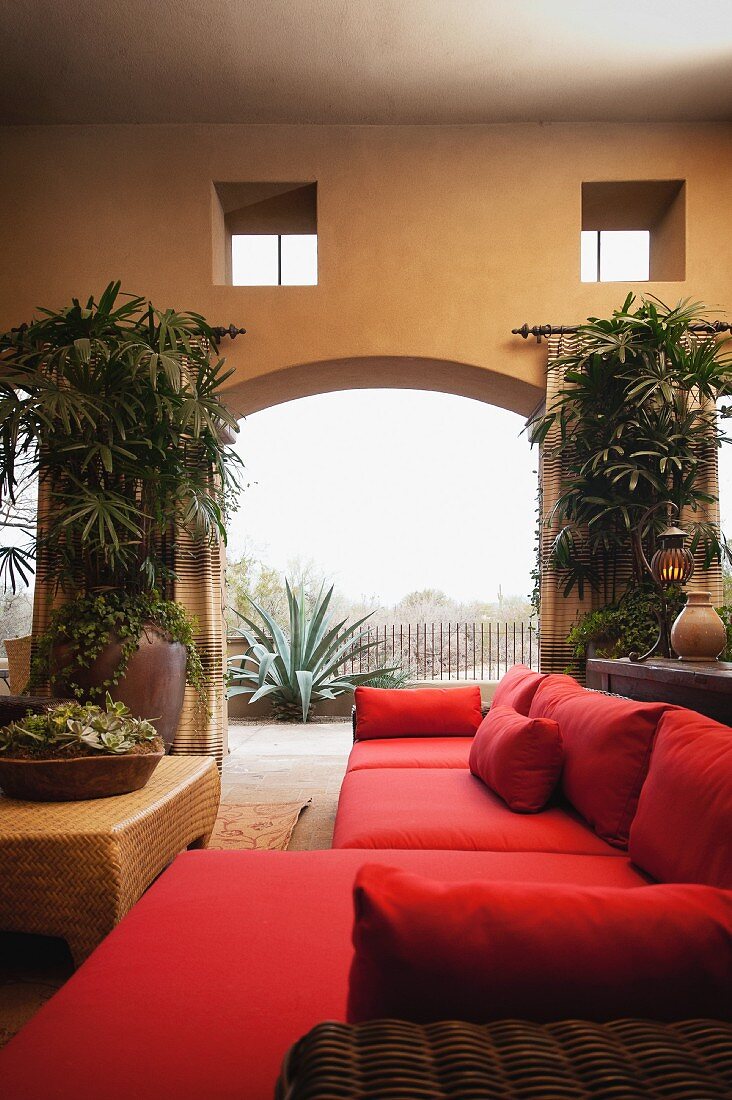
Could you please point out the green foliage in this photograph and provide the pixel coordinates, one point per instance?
(725, 614)
(396, 678)
(116, 406)
(635, 420)
(71, 729)
(623, 627)
(90, 623)
(300, 664)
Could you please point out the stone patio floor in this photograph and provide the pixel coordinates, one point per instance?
(282, 762)
(267, 762)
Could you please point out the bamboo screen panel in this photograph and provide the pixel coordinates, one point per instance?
(45, 596)
(560, 613)
(198, 586)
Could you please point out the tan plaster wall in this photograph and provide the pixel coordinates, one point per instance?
(434, 241)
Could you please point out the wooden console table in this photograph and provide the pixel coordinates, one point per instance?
(706, 688)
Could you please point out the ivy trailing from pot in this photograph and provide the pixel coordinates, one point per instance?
(115, 406)
(86, 626)
(621, 627)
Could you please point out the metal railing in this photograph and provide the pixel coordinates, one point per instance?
(449, 651)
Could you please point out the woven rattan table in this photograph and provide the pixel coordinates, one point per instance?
(510, 1060)
(73, 869)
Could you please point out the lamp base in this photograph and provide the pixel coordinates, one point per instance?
(662, 644)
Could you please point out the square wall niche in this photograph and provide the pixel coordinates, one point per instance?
(264, 234)
(618, 211)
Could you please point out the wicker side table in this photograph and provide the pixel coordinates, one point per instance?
(73, 869)
(510, 1060)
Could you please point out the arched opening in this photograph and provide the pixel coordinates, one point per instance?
(439, 492)
(252, 395)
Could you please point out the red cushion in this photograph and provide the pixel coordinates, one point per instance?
(683, 829)
(517, 688)
(607, 746)
(223, 964)
(411, 752)
(484, 951)
(449, 808)
(519, 758)
(417, 712)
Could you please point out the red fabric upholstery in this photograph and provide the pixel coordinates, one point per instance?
(683, 829)
(482, 951)
(226, 961)
(517, 689)
(449, 808)
(417, 712)
(411, 752)
(607, 747)
(519, 758)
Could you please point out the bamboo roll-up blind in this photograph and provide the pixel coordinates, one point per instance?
(559, 613)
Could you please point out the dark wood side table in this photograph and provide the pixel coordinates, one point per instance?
(706, 688)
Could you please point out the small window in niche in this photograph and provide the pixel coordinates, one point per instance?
(633, 231)
(281, 259)
(615, 256)
(265, 233)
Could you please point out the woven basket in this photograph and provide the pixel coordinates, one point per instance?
(19, 661)
(510, 1060)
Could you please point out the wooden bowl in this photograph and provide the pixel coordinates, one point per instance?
(78, 778)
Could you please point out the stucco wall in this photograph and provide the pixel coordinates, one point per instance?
(434, 241)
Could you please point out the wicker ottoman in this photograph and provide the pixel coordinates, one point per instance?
(510, 1060)
(73, 869)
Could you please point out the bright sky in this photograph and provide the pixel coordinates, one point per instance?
(391, 491)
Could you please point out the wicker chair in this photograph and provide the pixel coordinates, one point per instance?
(19, 659)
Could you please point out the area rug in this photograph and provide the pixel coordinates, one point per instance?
(255, 826)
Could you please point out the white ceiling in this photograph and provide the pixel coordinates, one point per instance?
(364, 61)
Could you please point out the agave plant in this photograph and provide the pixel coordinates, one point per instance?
(302, 665)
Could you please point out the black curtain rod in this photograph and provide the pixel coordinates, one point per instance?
(558, 330)
(220, 331)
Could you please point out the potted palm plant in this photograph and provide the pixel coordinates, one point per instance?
(635, 424)
(115, 406)
(636, 427)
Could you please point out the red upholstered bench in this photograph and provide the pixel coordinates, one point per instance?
(221, 966)
(411, 752)
(449, 808)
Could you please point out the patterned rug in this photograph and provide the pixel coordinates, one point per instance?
(255, 826)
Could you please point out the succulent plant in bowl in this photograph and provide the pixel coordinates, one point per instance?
(78, 751)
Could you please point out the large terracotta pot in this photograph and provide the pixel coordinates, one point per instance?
(698, 633)
(78, 778)
(152, 686)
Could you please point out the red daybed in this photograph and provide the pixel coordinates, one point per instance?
(230, 956)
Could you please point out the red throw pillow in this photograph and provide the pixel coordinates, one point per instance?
(417, 712)
(683, 829)
(483, 951)
(517, 689)
(607, 747)
(517, 757)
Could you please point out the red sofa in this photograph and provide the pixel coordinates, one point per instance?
(230, 956)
